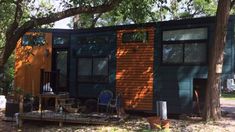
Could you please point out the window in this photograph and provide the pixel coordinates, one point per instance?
(135, 37)
(100, 66)
(60, 40)
(33, 40)
(195, 53)
(93, 39)
(184, 46)
(185, 34)
(85, 67)
(173, 53)
(93, 69)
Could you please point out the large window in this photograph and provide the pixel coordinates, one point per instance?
(93, 69)
(33, 39)
(184, 46)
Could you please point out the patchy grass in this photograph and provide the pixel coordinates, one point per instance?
(230, 96)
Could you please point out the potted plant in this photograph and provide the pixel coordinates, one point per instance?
(12, 105)
(28, 102)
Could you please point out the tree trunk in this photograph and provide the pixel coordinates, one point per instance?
(212, 104)
(2, 84)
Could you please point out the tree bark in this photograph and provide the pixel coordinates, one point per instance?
(212, 104)
(2, 79)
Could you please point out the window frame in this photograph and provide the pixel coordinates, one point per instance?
(83, 40)
(185, 42)
(135, 41)
(92, 78)
(60, 45)
(34, 35)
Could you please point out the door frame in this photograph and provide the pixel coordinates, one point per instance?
(54, 56)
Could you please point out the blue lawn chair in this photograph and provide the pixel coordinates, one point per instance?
(104, 99)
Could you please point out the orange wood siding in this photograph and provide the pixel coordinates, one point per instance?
(135, 71)
(28, 62)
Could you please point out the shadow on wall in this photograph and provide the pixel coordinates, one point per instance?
(28, 62)
(135, 73)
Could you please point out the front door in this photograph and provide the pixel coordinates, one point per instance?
(61, 64)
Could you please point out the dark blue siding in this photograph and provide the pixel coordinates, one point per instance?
(174, 83)
(91, 90)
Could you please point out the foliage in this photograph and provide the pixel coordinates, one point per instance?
(19, 16)
(141, 11)
(229, 96)
(6, 14)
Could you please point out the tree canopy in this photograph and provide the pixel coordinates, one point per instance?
(27, 14)
(141, 11)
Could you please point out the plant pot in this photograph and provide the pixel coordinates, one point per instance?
(154, 122)
(165, 124)
(11, 109)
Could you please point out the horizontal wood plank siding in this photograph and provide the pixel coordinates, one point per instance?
(134, 76)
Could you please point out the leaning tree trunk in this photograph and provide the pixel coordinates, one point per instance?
(212, 105)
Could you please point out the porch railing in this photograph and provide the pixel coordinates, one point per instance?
(49, 81)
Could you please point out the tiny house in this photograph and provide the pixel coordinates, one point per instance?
(145, 62)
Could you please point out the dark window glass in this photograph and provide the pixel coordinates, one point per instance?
(93, 70)
(61, 65)
(185, 46)
(100, 66)
(173, 53)
(132, 37)
(195, 53)
(185, 34)
(33, 40)
(60, 40)
(93, 40)
(85, 67)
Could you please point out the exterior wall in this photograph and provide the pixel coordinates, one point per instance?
(228, 67)
(174, 83)
(134, 73)
(135, 69)
(28, 62)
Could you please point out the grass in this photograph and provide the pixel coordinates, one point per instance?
(230, 96)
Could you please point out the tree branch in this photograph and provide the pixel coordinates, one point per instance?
(17, 17)
(18, 12)
(95, 20)
(67, 13)
(13, 34)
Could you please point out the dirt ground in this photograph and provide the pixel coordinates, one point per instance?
(133, 123)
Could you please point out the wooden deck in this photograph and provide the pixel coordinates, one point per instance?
(94, 118)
